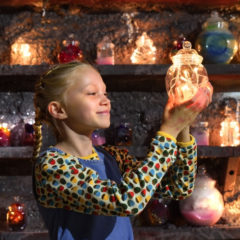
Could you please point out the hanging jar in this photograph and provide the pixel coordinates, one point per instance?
(70, 50)
(105, 52)
(205, 206)
(216, 43)
(186, 74)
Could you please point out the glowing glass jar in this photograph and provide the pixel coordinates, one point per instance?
(16, 217)
(186, 74)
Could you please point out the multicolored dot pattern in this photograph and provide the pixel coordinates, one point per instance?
(168, 171)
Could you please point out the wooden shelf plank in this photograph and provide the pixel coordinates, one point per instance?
(203, 151)
(16, 152)
(224, 77)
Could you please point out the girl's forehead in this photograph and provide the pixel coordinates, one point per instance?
(84, 76)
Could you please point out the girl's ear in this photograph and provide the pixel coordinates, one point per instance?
(56, 110)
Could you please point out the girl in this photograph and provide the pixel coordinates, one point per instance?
(87, 192)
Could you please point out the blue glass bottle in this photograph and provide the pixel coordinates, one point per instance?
(216, 43)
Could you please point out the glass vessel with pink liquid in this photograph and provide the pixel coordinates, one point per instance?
(205, 206)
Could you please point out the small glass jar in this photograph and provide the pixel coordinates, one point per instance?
(201, 133)
(123, 134)
(98, 137)
(70, 50)
(16, 217)
(105, 52)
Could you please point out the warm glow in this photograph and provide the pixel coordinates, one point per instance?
(145, 52)
(185, 91)
(24, 53)
(15, 214)
(186, 75)
(229, 132)
(4, 129)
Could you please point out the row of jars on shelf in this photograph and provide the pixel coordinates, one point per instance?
(228, 133)
(215, 43)
(22, 135)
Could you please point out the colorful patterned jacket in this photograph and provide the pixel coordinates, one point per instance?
(168, 171)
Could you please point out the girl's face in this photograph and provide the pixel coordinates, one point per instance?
(86, 103)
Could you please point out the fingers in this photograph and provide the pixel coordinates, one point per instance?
(202, 98)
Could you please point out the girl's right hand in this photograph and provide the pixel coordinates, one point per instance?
(177, 116)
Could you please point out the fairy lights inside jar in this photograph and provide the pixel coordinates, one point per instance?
(145, 52)
(186, 74)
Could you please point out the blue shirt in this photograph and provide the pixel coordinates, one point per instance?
(68, 225)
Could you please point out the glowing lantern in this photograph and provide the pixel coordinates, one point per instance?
(4, 135)
(229, 131)
(24, 53)
(16, 216)
(145, 52)
(186, 74)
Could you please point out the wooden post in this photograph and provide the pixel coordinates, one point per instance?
(230, 176)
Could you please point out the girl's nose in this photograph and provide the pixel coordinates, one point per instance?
(105, 99)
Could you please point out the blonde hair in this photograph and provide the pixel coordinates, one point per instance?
(51, 87)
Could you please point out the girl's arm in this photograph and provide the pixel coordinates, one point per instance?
(61, 182)
(178, 182)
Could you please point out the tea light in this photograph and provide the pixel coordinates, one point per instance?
(16, 217)
(229, 132)
(24, 53)
(4, 135)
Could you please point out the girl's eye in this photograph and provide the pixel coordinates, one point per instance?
(91, 93)
(106, 94)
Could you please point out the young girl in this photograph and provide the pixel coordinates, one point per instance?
(87, 192)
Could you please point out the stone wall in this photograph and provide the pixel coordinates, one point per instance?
(145, 109)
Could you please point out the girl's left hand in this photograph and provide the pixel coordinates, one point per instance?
(202, 98)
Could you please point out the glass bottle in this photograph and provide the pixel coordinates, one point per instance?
(145, 52)
(157, 211)
(186, 74)
(229, 127)
(105, 52)
(123, 134)
(216, 43)
(177, 45)
(98, 137)
(205, 206)
(16, 218)
(200, 131)
(70, 50)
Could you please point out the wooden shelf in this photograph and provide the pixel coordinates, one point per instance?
(16, 161)
(224, 77)
(25, 152)
(16, 152)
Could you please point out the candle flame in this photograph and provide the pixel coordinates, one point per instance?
(229, 132)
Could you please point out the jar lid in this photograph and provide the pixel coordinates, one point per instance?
(187, 55)
(215, 19)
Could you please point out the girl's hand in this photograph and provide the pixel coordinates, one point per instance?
(177, 116)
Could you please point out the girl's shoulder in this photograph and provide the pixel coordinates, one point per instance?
(51, 153)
